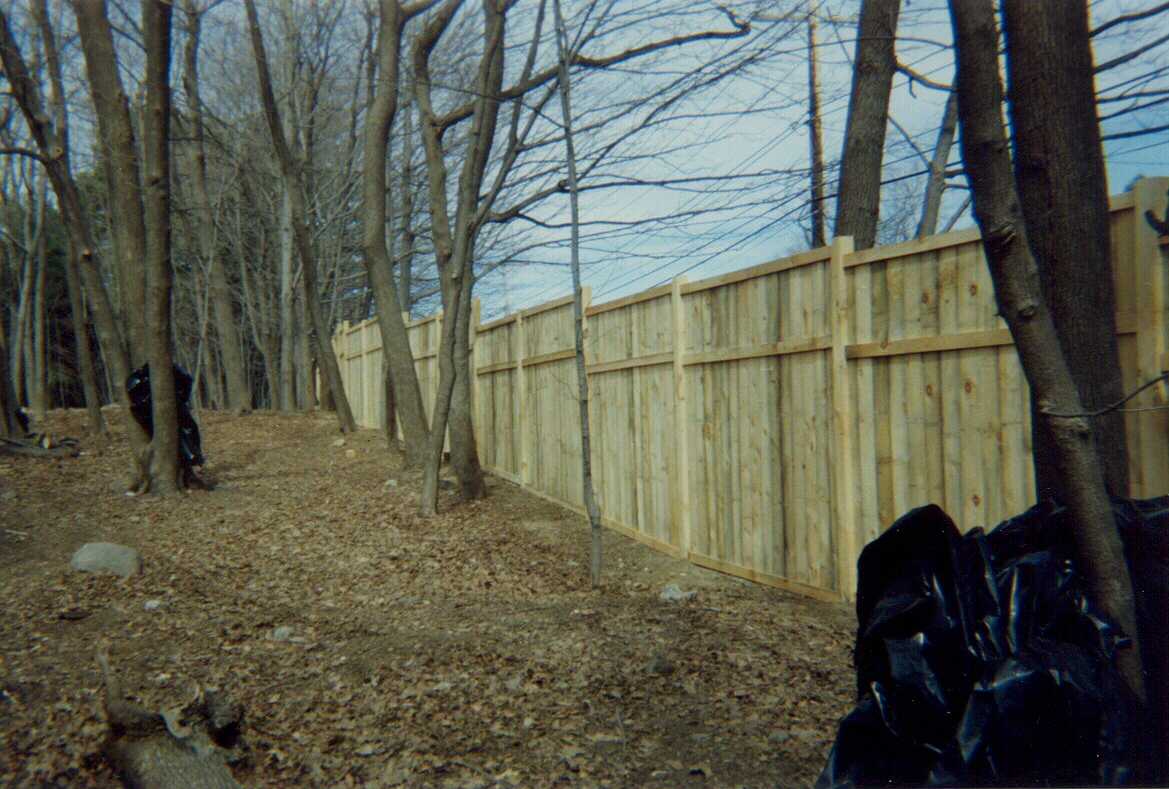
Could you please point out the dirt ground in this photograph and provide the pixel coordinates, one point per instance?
(465, 650)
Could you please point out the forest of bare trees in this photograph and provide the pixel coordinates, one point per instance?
(221, 185)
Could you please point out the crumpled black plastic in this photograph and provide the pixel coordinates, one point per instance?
(980, 660)
(141, 406)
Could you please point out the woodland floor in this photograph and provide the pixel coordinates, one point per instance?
(466, 650)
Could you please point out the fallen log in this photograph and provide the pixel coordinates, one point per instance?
(42, 447)
(189, 749)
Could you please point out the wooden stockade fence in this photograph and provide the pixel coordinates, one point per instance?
(769, 422)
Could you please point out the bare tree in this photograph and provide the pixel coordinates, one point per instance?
(582, 380)
(294, 188)
(1021, 302)
(239, 396)
(399, 358)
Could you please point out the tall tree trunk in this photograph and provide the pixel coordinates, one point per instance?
(582, 380)
(38, 374)
(121, 167)
(9, 426)
(815, 142)
(1020, 299)
(156, 27)
(1059, 168)
(97, 423)
(239, 396)
(304, 358)
(398, 357)
(300, 231)
(858, 201)
(936, 185)
(287, 308)
(464, 451)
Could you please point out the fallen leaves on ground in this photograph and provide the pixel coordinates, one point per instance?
(373, 647)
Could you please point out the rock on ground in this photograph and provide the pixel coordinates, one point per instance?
(107, 557)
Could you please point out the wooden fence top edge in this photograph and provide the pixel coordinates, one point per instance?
(495, 324)
(546, 306)
(626, 301)
(912, 247)
(812, 256)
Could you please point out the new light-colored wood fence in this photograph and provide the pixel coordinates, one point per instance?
(770, 422)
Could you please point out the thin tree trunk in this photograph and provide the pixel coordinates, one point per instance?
(239, 396)
(858, 202)
(936, 185)
(815, 143)
(9, 426)
(464, 451)
(987, 159)
(287, 309)
(156, 26)
(1059, 168)
(304, 358)
(586, 458)
(292, 182)
(38, 378)
(398, 356)
(97, 423)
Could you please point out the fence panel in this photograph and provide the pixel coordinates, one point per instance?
(770, 422)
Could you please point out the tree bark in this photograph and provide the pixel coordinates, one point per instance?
(293, 187)
(398, 356)
(97, 422)
(164, 466)
(1059, 168)
(1019, 296)
(582, 380)
(858, 202)
(239, 396)
(287, 308)
(936, 185)
(120, 164)
(815, 142)
(37, 374)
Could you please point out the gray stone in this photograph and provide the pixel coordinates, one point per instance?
(340, 442)
(674, 594)
(282, 633)
(391, 483)
(152, 605)
(107, 557)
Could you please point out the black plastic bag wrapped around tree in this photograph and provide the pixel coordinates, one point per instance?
(141, 406)
(981, 661)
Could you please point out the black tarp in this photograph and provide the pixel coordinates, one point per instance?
(141, 406)
(980, 660)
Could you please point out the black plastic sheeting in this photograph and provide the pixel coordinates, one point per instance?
(138, 387)
(980, 660)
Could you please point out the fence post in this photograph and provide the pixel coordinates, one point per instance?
(843, 488)
(680, 469)
(1153, 463)
(521, 400)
